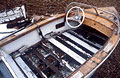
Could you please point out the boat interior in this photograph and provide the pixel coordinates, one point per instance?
(62, 53)
(55, 50)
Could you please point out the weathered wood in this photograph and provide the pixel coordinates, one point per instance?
(99, 56)
(101, 28)
(44, 22)
(103, 21)
(96, 59)
(31, 66)
(28, 30)
(101, 24)
(48, 63)
(51, 52)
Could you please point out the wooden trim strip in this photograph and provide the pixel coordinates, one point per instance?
(99, 57)
(31, 28)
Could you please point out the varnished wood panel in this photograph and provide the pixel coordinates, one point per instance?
(101, 28)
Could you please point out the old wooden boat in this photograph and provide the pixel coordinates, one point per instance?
(69, 45)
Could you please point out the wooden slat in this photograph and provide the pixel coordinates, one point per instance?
(82, 43)
(35, 68)
(68, 51)
(25, 68)
(96, 59)
(48, 63)
(56, 57)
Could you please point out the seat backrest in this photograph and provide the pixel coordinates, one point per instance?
(14, 14)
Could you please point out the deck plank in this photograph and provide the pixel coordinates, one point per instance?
(87, 46)
(67, 51)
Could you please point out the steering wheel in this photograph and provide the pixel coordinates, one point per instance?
(77, 19)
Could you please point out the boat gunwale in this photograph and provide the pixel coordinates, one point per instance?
(110, 52)
(100, 50)
(32, 28)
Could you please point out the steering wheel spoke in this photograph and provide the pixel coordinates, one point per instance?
(77, 12)
(70, 18)
(79, 21)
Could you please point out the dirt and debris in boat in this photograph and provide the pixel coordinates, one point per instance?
(111, 67)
